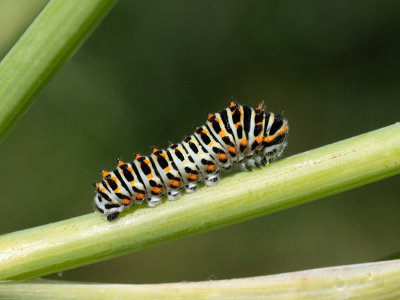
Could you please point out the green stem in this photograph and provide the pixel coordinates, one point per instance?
(46, 45)
(379, 280)
(291, 181)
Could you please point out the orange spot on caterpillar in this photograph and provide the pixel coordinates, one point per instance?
(231, 149)
(222, 156)
(193, 176)
(222, 133)
(283, 129)
(238, 124)
(105, 174)
(174, 183)
(259, 139)
(243, 142)
(120, 163)
(210, 167)
(149, 176)
(97, 185)
(138, 156)
(126, 201)
(156, 190)
(139, 196)
(155, 150)
(269, 139)
(167, 169)
(210, 116)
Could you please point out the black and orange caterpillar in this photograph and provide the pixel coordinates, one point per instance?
(238, 134)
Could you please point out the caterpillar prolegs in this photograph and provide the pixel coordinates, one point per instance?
(237, 134)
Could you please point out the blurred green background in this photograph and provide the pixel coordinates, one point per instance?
(152, 71)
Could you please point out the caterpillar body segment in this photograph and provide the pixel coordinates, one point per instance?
(237, 134)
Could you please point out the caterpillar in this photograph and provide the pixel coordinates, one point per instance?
(237, 134)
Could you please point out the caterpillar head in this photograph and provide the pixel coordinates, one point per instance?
(104, 204)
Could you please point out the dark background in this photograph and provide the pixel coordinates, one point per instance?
(151, 72)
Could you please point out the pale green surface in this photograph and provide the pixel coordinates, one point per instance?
(378, 280)
(46, 45)
(291, 181)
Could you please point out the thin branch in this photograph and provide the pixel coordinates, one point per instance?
(301, 178)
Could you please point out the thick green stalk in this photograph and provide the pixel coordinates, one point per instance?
(362, 281)
(49, 41)
(291, 181)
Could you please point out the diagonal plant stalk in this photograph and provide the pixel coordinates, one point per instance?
(41, 51)
(301, 178)
(379, 280)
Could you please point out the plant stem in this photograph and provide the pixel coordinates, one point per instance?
(379, 280)
(41, 51)
(301, 178)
